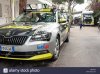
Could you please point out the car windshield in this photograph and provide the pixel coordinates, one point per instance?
(35, 17)
(88, 18)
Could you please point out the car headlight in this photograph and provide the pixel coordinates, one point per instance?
(41, 36)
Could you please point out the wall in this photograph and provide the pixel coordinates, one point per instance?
(22, 5)
(7, 8)
(16, 8)
(5, 11)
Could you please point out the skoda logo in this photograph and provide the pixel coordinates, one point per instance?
(8, 33)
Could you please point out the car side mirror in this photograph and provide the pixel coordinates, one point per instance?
(67, 20)
(62, 20)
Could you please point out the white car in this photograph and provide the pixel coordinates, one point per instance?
(34, 35)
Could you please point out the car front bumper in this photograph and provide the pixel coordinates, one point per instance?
(28, 52)
(35, 58)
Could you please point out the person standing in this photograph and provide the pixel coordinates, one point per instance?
(80, 23)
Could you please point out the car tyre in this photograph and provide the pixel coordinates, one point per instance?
(57, 50)
(67, 39)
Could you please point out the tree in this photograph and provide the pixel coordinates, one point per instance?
(95, 6)
(22, 5)
(71, 5)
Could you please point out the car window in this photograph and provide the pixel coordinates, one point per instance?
(27, 17)
(48, 18)
(36, 17)
(61, 16)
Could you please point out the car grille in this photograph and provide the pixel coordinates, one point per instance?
(17, 54)
(14, 40)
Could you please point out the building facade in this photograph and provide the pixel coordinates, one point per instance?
(8, 10)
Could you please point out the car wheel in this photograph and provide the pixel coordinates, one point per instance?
(57, 50)
(67, 39)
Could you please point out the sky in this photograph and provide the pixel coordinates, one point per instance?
(81, 7)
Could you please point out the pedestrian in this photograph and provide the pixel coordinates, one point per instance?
(80, 23)
(81, 26)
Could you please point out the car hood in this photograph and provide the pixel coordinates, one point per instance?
(12, 29)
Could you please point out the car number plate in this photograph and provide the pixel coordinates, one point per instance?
(7, 48)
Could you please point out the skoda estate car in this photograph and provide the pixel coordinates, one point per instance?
(34, 35)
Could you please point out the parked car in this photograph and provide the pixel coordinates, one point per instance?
(98, 24)
(34, 35)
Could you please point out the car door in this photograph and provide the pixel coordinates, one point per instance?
(63, 26)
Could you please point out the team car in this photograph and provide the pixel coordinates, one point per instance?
(34, 35)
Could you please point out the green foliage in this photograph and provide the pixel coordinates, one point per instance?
(79, 1)
(61, 1)
(70, 3)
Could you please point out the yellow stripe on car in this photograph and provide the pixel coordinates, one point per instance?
(67, 29)
(41, 12)
(14, 26)
(46, 10)
(92, 23)
(35, 58)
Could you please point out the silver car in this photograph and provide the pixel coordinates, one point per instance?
(34, 35)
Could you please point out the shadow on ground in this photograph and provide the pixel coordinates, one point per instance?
(13, 63)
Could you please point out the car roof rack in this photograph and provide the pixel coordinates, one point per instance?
(30, 9)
